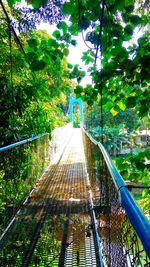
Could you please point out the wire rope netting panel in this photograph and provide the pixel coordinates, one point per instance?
(54, 227)
(121, 245)
(20, 168)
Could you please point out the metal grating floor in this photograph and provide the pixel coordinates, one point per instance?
(37, 234)
(80, 250)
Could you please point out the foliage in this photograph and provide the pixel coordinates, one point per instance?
(20, 169)
(31, 85)
(123, 71)
(28, 16)
(127, 119)
(136, 169)
(116, 129)
(133, 167)
(122, 74)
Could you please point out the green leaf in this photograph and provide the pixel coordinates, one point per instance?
(129, 8)
(53, 56)
(121, 105)
(68, 8)
(131, 102)
(105, 100)
(144, 110)
(56, 34)
(78, 90)
(108, 105)
(118, 51)
(115, 33)
(135, 20)
(58, 53)
(53, 43)
(37, 65)
(63, 26)
(66, 52)
(74, 42)
(129, 29)
(32, 42)
(31, 56)
(113, 112)
(12, 2)
(70, 66)
(90, 102)
(87, 59)
(119, 4)
(67, 37)
(143, 40)
(84, 22)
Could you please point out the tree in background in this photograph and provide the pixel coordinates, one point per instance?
(33, 82)
(117, 63)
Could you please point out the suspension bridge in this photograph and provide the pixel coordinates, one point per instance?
(62, 201)
(79, 212)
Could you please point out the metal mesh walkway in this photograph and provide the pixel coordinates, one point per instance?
(53, 228)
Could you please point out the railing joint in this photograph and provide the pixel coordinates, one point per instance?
(122, 186)
(131, 186)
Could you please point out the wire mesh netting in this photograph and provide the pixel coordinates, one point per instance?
(54, 226)
(120, 243)
(20, 167)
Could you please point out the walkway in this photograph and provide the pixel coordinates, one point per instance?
(53, 228)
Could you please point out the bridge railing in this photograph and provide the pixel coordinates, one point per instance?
(21, 165)
(123, 228)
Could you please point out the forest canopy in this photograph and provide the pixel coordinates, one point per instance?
(34, 83)
(117, 59)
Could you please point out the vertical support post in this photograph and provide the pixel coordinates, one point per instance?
(81, 112)
(71, 109)
(71, 102)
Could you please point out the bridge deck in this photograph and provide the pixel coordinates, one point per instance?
(53, 228)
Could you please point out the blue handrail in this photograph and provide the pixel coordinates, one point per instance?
(4, 148)
(138, 220)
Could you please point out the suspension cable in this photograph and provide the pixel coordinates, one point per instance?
(11, 77)
(99, 43)
(99, 46)
(11, 63)
(13, 31)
